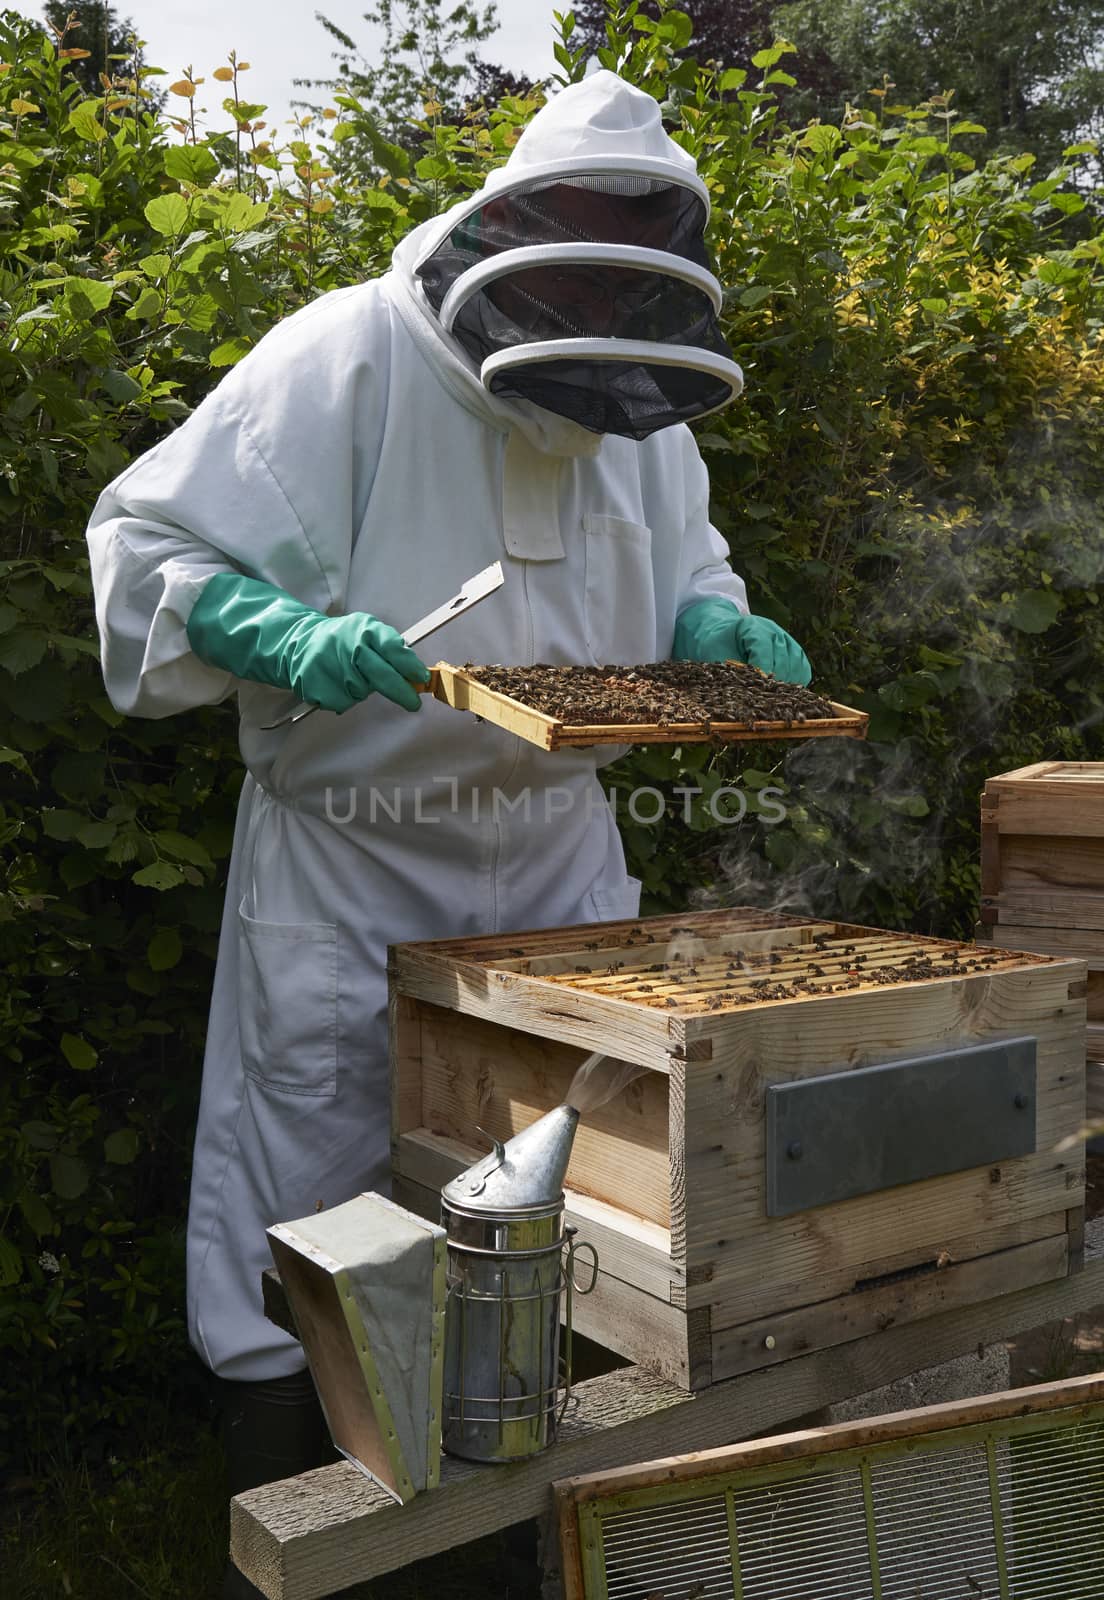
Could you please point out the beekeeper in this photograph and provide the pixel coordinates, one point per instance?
(514, 389)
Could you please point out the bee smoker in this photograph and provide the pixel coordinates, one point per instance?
(510, 1259)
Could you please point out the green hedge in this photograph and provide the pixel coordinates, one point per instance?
(912, 485)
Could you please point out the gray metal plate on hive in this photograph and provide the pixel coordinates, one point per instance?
(848, 1133)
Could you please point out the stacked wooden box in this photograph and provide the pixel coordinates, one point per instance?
(707, 1270)
(1042, 879)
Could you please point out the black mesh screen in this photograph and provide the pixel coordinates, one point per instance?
(561, 301)
(632, 399)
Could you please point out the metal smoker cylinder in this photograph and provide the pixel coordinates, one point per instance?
(507, 1269)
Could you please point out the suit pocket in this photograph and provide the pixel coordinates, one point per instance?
(620, 604)
(287, 1005)
(621, 903)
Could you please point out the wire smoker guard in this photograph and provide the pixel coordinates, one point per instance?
(510, 1259)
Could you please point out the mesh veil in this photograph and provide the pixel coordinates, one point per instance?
(532, 302)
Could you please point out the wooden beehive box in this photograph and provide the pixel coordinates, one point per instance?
(745, 1205)
(1042, 877)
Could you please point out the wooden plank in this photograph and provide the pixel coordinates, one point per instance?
(1048, 908)
(1066, 1396)
(718, 1284)
(457, 688)
(779, 1337)
(405, 1049)
(1031, 862)
(1037, 769)
(846, 723)
(1094, 997)
(629, 1248)
(745, 1264)
(590, 1023)
(1044, 773)
(310, 1536)
(990, 855)
(572, 1580)
(1041, 807)
(476, 1074)
(1084, 944)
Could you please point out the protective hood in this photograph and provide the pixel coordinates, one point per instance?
(577, 280)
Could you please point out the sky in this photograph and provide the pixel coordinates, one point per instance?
(282, 40)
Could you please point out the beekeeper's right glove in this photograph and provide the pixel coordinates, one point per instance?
(256, 631)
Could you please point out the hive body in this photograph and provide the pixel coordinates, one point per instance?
(674, 1181)
(1042, 878)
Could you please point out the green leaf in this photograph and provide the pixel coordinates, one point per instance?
(78, 1052)
(68, 1176)
(147, 306)
(84, 120)
(167, 214)
(36, 1213)
(11, 1264)
(121, 1147)
(733, 78)
(773, 53)
(164, 949)
(241, 212)
(90, 292)
(39, 1135)
(96, 835)
(908, 805)
(120, 386)
(230, 352)
(159, 875)
(12, 758)
(936, 307)
(21, 649)
(190, 163)
(58, 823)
(677, 27)
(155, 266)
(967, 127)
(1035, 610)
(910, 692)
(822, 138)
(182, 848)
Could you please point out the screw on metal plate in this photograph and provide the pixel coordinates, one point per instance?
(769, 1342)
(794, 1150)
(1021, 1102)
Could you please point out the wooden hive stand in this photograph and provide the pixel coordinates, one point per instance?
(1042, 879)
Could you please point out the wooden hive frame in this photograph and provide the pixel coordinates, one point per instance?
(459, 688)
(668, 1180)
(986, 1496)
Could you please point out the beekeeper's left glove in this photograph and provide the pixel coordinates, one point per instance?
(256, 631)
(717, 630)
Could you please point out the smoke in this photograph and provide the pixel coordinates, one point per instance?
(598, 1080)
(975, 639)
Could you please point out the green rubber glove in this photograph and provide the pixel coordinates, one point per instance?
(256, 631)
(717, 630)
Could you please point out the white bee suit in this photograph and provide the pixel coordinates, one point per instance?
(355, 460)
